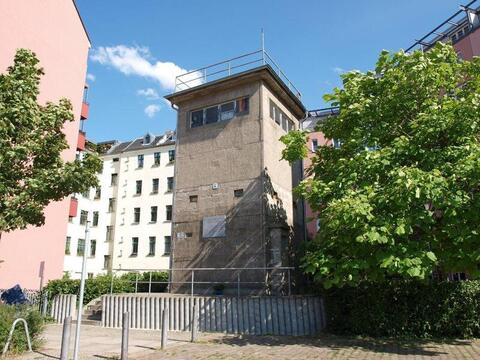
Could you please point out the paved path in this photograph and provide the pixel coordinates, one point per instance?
(101, 343)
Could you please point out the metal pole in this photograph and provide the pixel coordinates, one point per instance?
(150, 283)
(164, 327)
(111, 283)
(238, 285)
(194, 323)
(136, 282)
(67, 325)
(82, 290)
(289, 284)
(263, 47)
(125, 328)
(193, 277)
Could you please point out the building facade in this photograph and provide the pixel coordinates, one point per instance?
(233, 203)
(54, 31)
(130, 212)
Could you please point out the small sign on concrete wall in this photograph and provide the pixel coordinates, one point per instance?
(214, 226)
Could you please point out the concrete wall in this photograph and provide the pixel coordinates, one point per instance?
(53, 30)
(292, 315)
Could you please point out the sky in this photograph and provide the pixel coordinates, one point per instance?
(138, 47)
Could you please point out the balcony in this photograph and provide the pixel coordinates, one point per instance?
(81, 141)
(72, 212)
(85, 109)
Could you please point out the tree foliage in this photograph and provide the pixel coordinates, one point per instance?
(400, 197)
(32, 172)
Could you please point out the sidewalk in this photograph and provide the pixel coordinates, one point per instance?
(102, 343)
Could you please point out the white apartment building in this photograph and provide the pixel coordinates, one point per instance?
(130, 213)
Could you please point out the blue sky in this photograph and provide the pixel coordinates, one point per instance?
(138, 46)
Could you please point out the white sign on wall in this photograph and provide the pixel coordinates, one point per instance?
(214, 226)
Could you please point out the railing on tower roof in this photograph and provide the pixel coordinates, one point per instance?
(230, 67)
(456, 27)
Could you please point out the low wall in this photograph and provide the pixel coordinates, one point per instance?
(269, 315)
(63, 306)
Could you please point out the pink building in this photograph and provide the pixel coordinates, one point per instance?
(315, 139)
(54, 30)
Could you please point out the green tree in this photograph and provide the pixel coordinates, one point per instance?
(32, 172)
(401, 196)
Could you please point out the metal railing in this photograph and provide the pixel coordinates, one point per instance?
(448, 27)
(195, 278)
(230, 67)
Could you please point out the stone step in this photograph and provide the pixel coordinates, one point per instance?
(89, 322)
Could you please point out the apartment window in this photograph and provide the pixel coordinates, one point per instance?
(151, 245)
(140, 161)
(156, 158)
(136, 215)
(68, 241)
(98, 193)
(106, 262)
(168, 209)
(114, 179)
(115, 159)
(169, 183)
(155, 186)
(138, 187)
(111, 205)
(95, 218)
(93, 248)
(337, 143)
(70, 219)
(238, 193)
(171, 155)
(153, 213)
(86, 194)
(167, 244)
(314, 145)
(193, 198)
(134, 246)
(80, 247)
(109, 235)
(83, 217)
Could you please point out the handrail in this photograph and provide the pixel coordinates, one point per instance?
(202, 76)
(10, 334)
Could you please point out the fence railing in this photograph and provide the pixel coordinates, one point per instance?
(230, 67)
(256, 280)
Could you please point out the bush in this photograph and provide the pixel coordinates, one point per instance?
(100, 285)
(406, 309)
(35, 323)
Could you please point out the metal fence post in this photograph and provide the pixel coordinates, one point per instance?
(125, 329)
(150, 283)
(289, 284)
(193, 279)
(136, 283)
(111, 283)
(164, 327)
(238, 285)
(67, 325)
(194, 323)
(44, 303)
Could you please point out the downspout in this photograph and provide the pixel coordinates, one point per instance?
(173, 237)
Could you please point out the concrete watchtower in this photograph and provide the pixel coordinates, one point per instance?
(233, 205)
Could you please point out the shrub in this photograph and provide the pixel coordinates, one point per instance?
(35, 323)
(100, 285)
(405, 309)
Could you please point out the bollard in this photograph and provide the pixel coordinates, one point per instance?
(194, 323)
(125, 328)
(164, 327)
(67, 325)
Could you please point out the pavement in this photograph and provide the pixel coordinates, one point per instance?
(102, 343)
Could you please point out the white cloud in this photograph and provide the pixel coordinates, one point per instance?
(338, 70)
(151, 110)
(91, 77)
(149, 93)
(138, 61)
